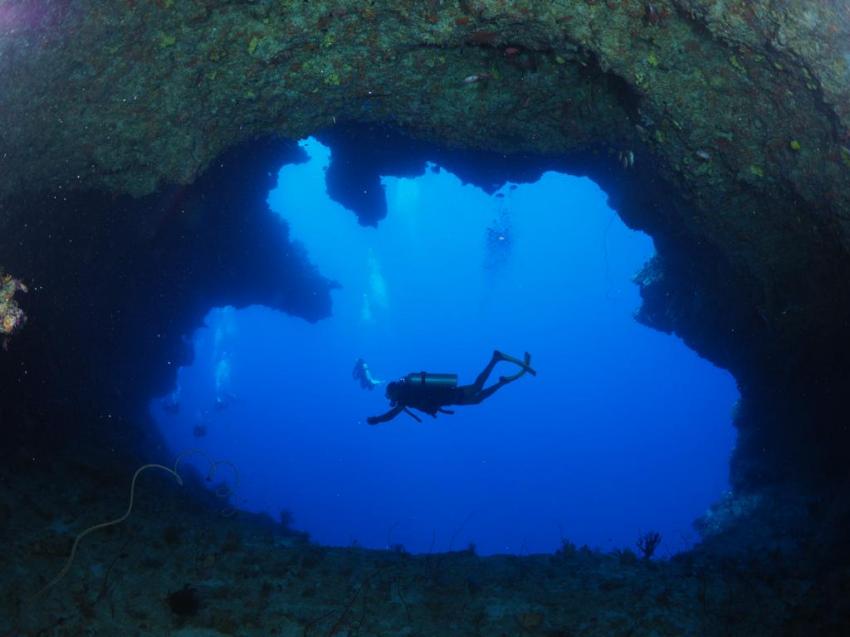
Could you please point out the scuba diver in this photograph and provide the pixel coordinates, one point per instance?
(201, 428)
(171, 403)
(430, 393)
(223, 395)
(361, 373)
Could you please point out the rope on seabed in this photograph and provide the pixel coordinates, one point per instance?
(221, 492)
(104, 525)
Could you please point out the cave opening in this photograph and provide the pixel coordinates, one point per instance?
(624, 430)
(140, 142)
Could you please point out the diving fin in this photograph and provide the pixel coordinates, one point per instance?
(525, 364)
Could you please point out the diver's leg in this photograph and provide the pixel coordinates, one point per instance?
(482, 394)
(478, 385)
(473, 394)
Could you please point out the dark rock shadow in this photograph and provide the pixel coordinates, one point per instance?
(117, 284)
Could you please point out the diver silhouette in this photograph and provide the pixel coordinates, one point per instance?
(430, 393)
(223, 395)
(362, 374)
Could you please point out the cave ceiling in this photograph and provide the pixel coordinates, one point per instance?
(720, 128)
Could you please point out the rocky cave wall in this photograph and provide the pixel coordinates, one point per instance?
(721, 128)
(117, 284)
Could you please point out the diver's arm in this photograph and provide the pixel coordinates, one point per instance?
(392, 413)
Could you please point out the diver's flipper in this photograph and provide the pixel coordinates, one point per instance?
(512, 377)
(525, 364)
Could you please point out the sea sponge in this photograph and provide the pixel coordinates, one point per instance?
(12, 317)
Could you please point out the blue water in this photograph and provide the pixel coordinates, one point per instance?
(624, 430)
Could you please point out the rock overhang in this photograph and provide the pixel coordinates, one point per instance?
(733, 114)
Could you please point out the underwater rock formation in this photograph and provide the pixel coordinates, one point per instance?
(118, 283)
(135, 160)
(733, 115)
(180, 567)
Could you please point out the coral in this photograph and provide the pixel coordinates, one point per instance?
(12, 317)
(222, 490)
(648, 542)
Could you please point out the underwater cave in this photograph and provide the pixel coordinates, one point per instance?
(624, 430)
(139, 145)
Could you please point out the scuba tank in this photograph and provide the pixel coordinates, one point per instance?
(432, 381)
